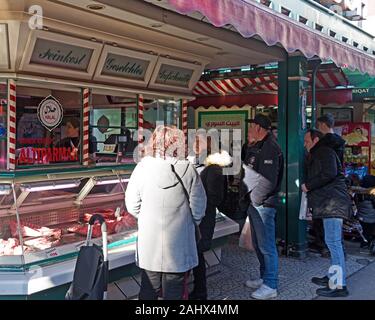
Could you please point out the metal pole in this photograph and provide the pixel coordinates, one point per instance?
(313, 94)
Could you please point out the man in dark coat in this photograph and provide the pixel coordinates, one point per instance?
(214, 182)
(329, 200)
(325, 125)
(262, 176)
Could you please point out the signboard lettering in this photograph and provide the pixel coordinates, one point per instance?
(123, 66)
(46, 155)
(62, 55)
(174, 76)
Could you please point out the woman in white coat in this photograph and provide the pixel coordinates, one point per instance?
(166, 245)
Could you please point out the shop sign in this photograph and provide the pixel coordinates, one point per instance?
(50, 113)
(123, 66)
(31, 155)
(174, 76)
(224, 119)
(359, 94)
(62, 55)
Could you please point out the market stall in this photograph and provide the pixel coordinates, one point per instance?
(73, 120)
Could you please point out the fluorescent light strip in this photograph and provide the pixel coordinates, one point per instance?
(110, 181)
(49, 186)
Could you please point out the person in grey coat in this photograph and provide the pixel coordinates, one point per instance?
(166, 245)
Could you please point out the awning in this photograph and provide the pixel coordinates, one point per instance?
(326, 79)
(251, 18)
(323, 97)
(236, 100)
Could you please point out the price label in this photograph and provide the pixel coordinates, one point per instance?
(51, 253)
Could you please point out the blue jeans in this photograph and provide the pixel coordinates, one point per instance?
(262, 221)
(333, 239)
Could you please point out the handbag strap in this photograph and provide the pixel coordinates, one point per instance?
(184, 189)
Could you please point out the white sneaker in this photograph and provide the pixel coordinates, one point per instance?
(264, 293)
(254, 284)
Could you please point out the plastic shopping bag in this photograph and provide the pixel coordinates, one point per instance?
(245, 240)
(303, 209)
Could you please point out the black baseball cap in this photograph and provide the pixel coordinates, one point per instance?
(261, 120)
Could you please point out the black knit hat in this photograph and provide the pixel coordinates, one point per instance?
(261, 120)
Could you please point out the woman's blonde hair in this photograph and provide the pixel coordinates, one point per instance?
(166, 141)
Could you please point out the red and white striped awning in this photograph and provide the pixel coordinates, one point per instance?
(326, 79)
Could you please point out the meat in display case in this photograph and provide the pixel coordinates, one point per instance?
(44, 217)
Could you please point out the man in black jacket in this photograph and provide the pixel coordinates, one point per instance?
(329, 200)
(262, 176)
(325, 125)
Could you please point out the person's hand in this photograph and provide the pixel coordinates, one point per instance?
(304, 189)
(372, 191)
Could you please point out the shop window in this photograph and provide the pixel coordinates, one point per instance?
(3, 126)
(48, 127)
(161, 111)
(113, 125)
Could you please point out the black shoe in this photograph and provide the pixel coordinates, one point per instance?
(320, 281)
(332, 293)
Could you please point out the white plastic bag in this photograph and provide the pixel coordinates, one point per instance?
(303, 209)
(245, 240)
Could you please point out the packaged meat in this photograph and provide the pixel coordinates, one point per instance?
(10, 247)
(31, 230)
(42, 243)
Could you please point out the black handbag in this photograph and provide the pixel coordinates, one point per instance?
(198, 235)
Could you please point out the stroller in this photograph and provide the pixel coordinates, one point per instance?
(90, 280)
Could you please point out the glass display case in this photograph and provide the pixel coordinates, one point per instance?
(44, 216)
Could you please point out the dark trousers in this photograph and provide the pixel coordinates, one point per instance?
(200, 281)
(170, 284)
(319, 233)
(368, 231)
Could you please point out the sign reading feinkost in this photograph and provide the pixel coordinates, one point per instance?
(123, 66)
(62, 55)
(174, 76)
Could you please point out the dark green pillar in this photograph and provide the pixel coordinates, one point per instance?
(293, 83)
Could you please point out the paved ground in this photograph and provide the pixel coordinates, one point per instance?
(226, 281)
(361, 284)
(295, 274)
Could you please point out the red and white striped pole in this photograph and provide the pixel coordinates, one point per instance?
(185, 122)
(11, 131)
(86, 121)
(140, 126)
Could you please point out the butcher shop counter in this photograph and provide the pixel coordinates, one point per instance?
(43, 224)
(51, 278)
